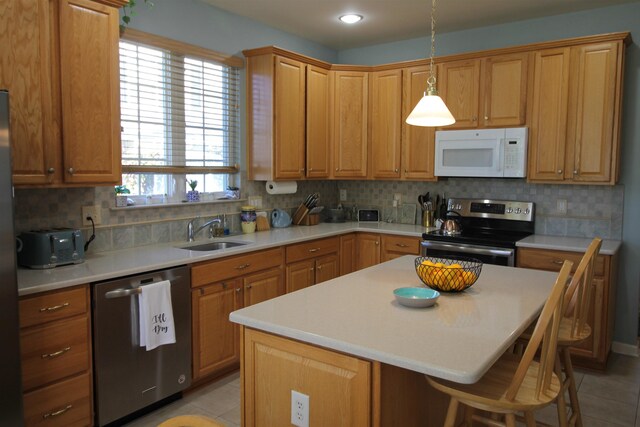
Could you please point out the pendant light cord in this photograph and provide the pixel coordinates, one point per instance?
(431, 81)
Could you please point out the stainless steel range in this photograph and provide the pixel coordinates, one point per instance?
(483, 229)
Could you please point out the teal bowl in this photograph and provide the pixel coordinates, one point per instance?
(416, 297)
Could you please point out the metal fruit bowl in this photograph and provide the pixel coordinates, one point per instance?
(448, 275)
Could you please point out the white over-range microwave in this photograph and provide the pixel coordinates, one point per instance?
(482, 153)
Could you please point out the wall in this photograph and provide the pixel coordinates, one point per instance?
(604, 20)
(592, 210)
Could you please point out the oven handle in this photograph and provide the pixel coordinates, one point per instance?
(471, 249)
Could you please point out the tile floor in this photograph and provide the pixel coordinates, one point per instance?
(607, 400)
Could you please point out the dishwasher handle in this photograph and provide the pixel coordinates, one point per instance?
(127, 292)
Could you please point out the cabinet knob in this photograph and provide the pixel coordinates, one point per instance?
(310, 169)
(377, 242)
(71, 171)
(559, 171)
(319, 267)
(50, 170)
(575, 171)
(248, 287)
(302, 170)
(311, 269)
(337, 169)
(486, 117)
(396, 170)
(238, 290)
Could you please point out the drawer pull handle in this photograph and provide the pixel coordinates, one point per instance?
(402, 245)
(557, 261)
(314, 249)
(55, 307)
(56, 353)
(58, 412)
(242, 266)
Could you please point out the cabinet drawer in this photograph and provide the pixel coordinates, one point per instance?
(544, 259)
(401, 244)
(227, 268)
(53, 351)
(64, 404)
(312, 249)
(56, 305)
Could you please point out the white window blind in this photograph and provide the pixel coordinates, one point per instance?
(179, 113)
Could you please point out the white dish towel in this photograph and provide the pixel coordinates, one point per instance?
(156, 315)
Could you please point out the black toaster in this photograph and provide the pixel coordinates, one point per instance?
(50, 248)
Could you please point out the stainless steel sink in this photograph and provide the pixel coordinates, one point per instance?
(213, 246)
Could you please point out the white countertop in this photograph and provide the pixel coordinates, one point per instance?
(458, 339)
(110, 265)
(572, 244)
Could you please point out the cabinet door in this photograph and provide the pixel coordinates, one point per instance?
(418, 142)
(397, 246)
(368, 250)
(327, 268)
(350, 124)
(348, 257)
(300, 275)
(263, 286)
(28, 45)
(593, 105)
(459, 84)
(89, 72)
(289, 118)
(548, 131)
(385, 104)
(215, 339)
(504, 90)
(318, 122)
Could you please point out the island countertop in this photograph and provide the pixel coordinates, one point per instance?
(458, 339)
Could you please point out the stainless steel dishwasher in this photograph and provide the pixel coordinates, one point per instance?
(127, 377)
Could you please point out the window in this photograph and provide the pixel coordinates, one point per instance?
(179, 117)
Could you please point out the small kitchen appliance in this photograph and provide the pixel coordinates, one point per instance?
(489, 230)
(50, 248)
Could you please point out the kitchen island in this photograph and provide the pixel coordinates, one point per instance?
(360, 356)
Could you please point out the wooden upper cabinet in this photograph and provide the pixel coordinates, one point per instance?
(418, 142)
(575, 123)
(594, 109)
(289, 118)
(28, 44)
(350, 124)
(318, 122)
(547, 132)
(459, 87)
(60, 63)
(504, 90)
(385, 104)
(90, 81)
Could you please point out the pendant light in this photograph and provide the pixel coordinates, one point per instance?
(431, 110)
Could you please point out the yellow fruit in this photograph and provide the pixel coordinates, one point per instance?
(456, 265)
(469, 277)
(440, 265)
(427, 262)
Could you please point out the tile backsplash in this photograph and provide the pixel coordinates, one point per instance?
(591, 210)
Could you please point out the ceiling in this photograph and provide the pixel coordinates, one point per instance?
(392, 20)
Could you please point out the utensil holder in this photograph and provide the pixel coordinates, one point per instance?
(311, 219)
(300, 214)
(428, 218)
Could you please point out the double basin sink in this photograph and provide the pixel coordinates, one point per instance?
(213, 246)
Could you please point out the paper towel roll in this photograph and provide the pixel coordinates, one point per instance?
(281, 187)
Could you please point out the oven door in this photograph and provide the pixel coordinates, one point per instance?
(486, 254)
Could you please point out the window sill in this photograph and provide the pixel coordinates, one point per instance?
(172, 205)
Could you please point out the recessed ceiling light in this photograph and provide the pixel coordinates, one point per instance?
(350, 18)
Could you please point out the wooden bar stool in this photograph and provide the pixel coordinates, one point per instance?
(190, 421)
(574, 328)
(515, 385)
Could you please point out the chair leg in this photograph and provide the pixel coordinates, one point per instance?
(510, 420)
(450, 421)
(573, 393)
(561, 404)
(468, 416)
(530, 419)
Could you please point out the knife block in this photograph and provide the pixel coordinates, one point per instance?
(311, 219)
(300, 214)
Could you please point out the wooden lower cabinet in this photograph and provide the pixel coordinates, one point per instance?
(312, 262)
(343, 390)
(594, 351)
(367, 250)
(348, 252)
(55, 348)
(372, 248)
(396, 246)
(220, 287)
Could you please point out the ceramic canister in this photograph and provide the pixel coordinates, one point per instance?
(248, 218)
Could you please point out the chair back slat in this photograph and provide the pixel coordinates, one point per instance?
(545, 334)
(579, 293)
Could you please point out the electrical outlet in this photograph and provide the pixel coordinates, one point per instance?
(343, 195)
(397, 197)
(299, 409)
(93, 212)
(561, 206)
(255, 201)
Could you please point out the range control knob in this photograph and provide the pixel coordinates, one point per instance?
(509, 210)
(518, 210)
(527, 211)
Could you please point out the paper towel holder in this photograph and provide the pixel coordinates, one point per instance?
(281, 187)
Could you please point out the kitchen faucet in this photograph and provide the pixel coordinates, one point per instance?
(191, 233)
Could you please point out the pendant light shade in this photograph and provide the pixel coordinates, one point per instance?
(431, 110)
